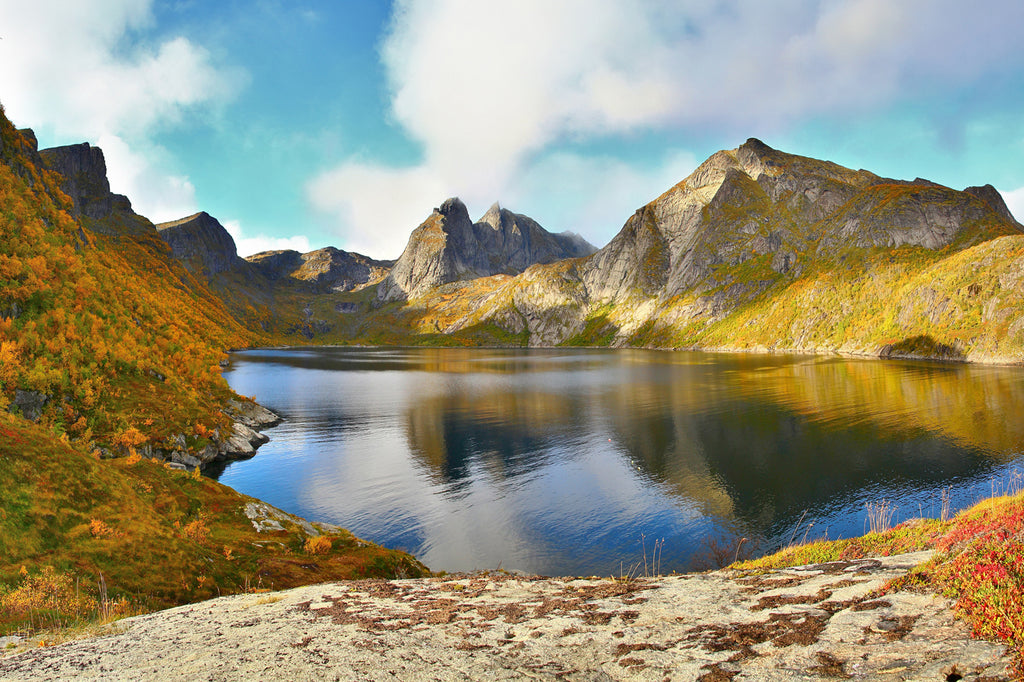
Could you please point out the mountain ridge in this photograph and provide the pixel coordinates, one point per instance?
(449, 247)
(736, 233)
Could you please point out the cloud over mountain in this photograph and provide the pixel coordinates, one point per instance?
(489, 91)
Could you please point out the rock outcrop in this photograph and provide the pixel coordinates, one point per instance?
(449, 247)
(240, 442)
(824, 621)
(323, 270)
(84, 172)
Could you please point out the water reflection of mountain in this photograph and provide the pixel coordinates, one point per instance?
(796, 435)
(436, 360)
(754, 439)
(507, 433)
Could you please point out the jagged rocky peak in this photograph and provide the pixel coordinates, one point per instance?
(449, 247)
(493, 216)
(84, 171)
(453, 208)
(201, 243)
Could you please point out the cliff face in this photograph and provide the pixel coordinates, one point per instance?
(448, 247)
(84, 172)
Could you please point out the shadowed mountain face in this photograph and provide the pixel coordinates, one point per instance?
(449, 247)
(202, 244)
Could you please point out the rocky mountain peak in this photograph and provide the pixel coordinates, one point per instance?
(201, 243)
(449, 247)
(755, 202)
(85, 178)
(84, 172)
(453, 208)
(493, 216)
(991, 196)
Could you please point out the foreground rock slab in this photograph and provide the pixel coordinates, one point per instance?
(812, 622)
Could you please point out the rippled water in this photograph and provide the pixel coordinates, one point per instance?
(578, 461)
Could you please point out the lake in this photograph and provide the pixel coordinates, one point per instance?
(579, 462)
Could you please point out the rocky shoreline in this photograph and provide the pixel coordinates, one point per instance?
(241, 442)
(825, 621)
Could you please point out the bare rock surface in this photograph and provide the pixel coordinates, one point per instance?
(449, 247)
(815, 622)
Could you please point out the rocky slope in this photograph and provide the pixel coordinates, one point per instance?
(823, 621)
(449, 247)
(756, 202)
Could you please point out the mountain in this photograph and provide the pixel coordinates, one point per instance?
(322, 270)
(789, 211)
(449, 247)
(758, 249)
(202, 245)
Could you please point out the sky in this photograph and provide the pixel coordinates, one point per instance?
(302, 124)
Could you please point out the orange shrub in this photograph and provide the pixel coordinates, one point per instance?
(318, 545)
(196, 530)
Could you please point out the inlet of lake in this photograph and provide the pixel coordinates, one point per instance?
(579, 462)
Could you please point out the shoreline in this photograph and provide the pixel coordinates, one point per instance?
(996, 361)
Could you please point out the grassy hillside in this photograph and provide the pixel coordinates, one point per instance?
(108, 344)
(910, 302)
(80, 537)
(121, 341)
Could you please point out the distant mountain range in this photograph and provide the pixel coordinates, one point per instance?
(705, 265)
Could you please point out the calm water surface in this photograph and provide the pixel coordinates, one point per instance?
(577, 461)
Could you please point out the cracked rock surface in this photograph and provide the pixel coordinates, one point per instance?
(815, 622)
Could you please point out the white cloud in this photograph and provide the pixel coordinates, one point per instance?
(88, 71)
(1015, 202)
(378, 206)
(483, 86)
(247, 246)
(488, 88)
(154, 194)
(593, 196)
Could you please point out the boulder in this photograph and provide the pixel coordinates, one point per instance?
(29, 404)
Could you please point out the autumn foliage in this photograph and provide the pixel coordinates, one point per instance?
(123, 342)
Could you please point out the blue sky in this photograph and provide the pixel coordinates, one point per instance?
(305, 124)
